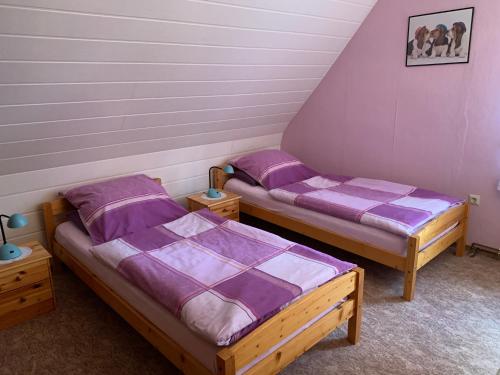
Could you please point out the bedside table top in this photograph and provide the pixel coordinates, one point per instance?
(213, 202)
(38, 253)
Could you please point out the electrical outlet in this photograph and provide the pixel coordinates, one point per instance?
(475, 199)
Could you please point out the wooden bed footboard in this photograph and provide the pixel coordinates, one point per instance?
(455, 218)
(414, 259)
(265, 337)
(334, 303)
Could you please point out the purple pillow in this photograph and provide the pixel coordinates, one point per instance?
(114, 208)
(245, 177)
(273, 168)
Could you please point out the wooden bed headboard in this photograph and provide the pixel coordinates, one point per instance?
(54, 213)
(220, 178)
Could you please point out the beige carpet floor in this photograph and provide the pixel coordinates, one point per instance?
(452, 327)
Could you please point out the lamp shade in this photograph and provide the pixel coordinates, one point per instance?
(228, 169)
(17, 221)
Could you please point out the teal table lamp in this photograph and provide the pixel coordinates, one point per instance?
(212, 191)
(8, 250)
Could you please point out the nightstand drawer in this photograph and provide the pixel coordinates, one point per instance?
(21, 276)
(226, 209)
(26, 296)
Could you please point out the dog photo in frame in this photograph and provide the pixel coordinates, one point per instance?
(439, 38)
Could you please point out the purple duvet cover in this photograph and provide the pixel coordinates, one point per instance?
(220, 277)
(396, 208)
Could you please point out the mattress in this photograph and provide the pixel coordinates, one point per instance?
(78, 244)
(259, 196)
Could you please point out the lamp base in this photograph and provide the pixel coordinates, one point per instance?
(213, 193)
(9, 251)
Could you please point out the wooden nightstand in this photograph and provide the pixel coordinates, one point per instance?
(229, 206)
(26, 287)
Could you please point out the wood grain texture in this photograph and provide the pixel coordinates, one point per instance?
(88, 81)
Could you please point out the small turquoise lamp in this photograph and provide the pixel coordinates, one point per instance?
(212, 191)
(8, 250)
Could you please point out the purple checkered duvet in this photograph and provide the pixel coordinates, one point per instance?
(220, 277)
(397, 208)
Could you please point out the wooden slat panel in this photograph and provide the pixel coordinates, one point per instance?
(54, 24)
(439, 246)
(304, 341)
(195, 119)
(60, 93)
(52, 49)
(210, 14)
(41, 72)
(341, 10)
(441, 223)
(68, 111)
(44, 146)
(29, 163)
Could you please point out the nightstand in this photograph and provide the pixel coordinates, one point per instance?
(26, 287)
(227, 206)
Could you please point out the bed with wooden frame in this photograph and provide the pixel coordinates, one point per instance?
(409, 264)
(345, 291)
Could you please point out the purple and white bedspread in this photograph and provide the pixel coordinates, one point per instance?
(220, 277)
(397, 208)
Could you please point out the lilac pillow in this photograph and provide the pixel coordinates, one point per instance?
(273, 168)
(114, 208)
(245, 177)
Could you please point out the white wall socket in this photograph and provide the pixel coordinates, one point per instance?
(475, 199)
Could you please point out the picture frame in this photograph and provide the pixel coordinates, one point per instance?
(439, 38)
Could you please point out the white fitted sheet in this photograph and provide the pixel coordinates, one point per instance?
(259, 196)
(78, 244)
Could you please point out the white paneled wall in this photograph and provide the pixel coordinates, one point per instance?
(82, 81)
(95, 89)
(183, 171)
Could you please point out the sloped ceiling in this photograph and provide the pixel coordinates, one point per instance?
(89, 80)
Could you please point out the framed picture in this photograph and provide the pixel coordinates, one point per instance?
(439, 38)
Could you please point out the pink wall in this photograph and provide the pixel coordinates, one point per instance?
(437, 127)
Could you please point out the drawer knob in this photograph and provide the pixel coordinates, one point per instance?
(22, 299)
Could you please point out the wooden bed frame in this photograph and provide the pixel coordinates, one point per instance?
(409, 264)
(232, 358)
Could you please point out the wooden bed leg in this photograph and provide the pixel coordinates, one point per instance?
(225, 363)
(354, 323)
(462, 241)
(411, 267)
